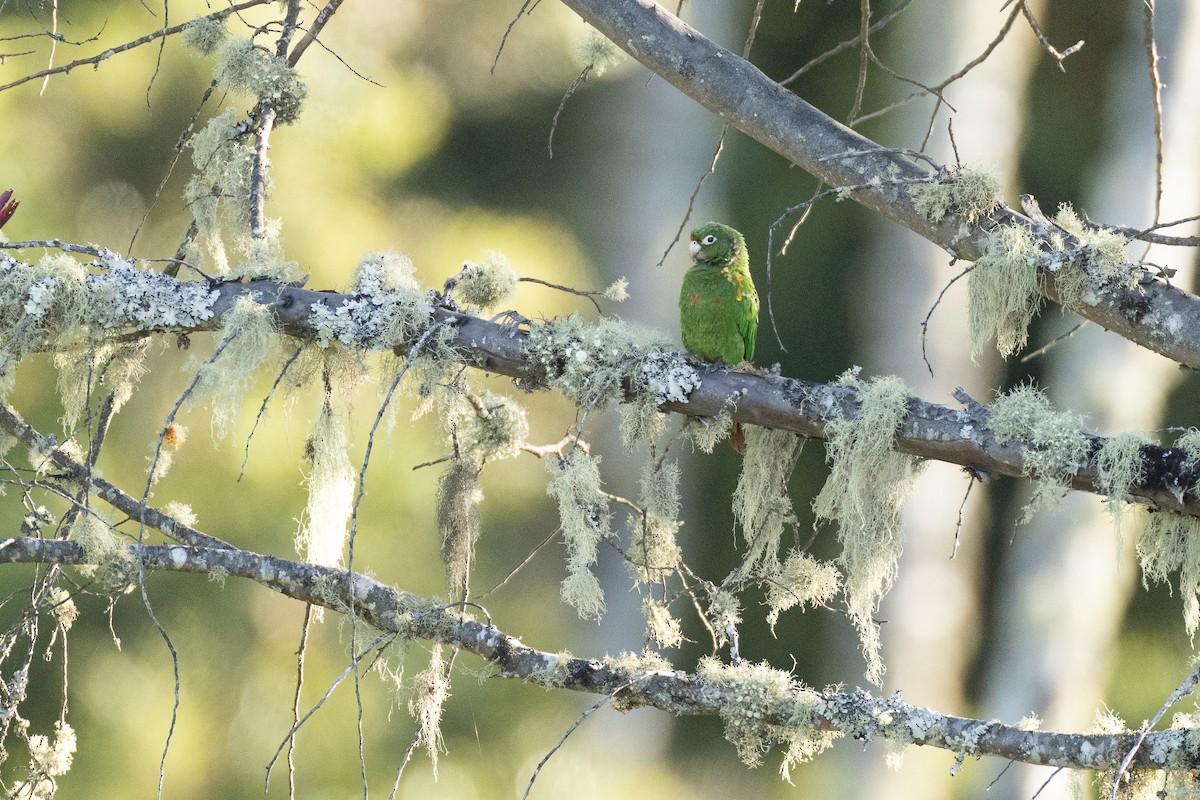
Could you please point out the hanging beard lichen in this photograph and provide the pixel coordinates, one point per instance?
(865, 492)
(322, 535)
(761, 504)
(585, 519)
(458, 500)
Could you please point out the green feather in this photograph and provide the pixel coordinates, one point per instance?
(718, 305)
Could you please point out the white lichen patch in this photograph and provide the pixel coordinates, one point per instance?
(865, 492)
(586, 521)
(150, 300)
(662, 628)
(1002, 290)
(668, 378)
(1053, 443)
(966, 192)
(387, 307)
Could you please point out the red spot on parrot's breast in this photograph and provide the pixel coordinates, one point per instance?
(716, 301)
(693, 299)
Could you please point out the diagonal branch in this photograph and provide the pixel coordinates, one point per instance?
(1161, 318)
(858, 714)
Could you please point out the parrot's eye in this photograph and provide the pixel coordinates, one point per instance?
(707, 240)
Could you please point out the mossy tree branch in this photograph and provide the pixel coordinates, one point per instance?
(858, 714)
(929, 430)
(1159, 317)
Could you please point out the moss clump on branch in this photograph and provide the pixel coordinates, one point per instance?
(1098, 263)
(865, 492)
(1053, 443)
(756, 693)
(487, 285)
(595, 365)
(244, 68)
(970, 194)
(1002, 290)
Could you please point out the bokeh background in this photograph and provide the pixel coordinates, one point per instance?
(439, 157)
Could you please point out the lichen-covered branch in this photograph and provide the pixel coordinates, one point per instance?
(644, 681)
(392, 313)
(1162, 318)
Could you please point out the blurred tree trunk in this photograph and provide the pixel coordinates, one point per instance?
(932, 619)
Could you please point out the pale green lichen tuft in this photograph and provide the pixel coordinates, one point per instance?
(48, 759)
(801, 580)
(708, 433)
(1002, 291)
(321, 538)
(761, 504)
(661, 627)
(244, 68)
(724, 613)
(487, 285)
(597, 53)
(1120, 466)
(641, 421)
(1170, 542)
(591, 364)
(1097, 264)
(865, 492)
(970, 194)
(585, 519)
(109, 562)
(1053, 443)
(654, 552)
(58, 602)
(458, 499)
(555, 674)
(205, 35)
(222, 383)
(494, 430)
(755, 694)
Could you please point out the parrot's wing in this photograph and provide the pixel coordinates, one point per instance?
(748, 322)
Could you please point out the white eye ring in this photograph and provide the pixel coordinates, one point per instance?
(707, 240)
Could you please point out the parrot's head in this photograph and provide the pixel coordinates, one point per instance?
(715, 242)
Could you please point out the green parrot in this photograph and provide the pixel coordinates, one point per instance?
(718, 306)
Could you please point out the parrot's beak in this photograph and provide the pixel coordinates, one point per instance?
(693, 248)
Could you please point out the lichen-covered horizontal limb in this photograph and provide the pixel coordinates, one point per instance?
(856, 714)
(1156, 316)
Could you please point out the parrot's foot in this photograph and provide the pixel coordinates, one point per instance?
(746, 366)
(511, 322)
